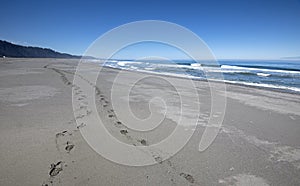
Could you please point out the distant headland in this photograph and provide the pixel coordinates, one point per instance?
(8, 49)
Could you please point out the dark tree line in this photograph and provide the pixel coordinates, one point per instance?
(12, 50)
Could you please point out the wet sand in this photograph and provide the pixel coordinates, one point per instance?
(41, 143)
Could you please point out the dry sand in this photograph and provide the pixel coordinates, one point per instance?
(41, 144)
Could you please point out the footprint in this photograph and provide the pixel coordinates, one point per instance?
(69, 146)
(82, 107)
(61, 133)
(158, 159)
(188, 177)
(81, 125)
(123, 131)
(143, 142)
(56, 168)
(47, 184)
(98, 92)
(80, 116)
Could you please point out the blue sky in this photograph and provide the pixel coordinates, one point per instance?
(233, 29)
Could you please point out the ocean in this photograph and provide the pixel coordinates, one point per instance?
(283, 75)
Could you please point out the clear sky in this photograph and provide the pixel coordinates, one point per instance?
(233, 29)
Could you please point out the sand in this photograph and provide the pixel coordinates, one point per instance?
(41, 143)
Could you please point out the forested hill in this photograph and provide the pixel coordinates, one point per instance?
(12, 50)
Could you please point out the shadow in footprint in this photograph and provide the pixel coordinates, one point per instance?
(143, 142)
(56, 168)
(124, 132)
(81, 125)
(61, 133)
(188, 177)
(69, 146)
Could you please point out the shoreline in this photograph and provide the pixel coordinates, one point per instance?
(288, 90)
(280, 90)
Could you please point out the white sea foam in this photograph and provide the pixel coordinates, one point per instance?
(160, 65)
(258, 69)
(263, 74)
(263, 85)
(170, 74)
(129, 65)
(219, 70)
(124, 63)
(196, 65)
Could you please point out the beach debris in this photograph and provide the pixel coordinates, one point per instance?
(110, 115)
(231, 169)
(188, 177)
(119, 122)
(56, 168)
(123, 131)
(69, 146)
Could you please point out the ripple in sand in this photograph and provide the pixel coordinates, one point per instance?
(21, 71)
(26, 93)
(243, 180)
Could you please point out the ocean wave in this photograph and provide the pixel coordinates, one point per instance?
(259, 69)
(124, 63)
(175, 65)
(263, 74)
(196, 65)
(238, 75)
(263, 85)
(229, 71)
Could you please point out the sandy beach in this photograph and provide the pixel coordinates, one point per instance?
(41, 143)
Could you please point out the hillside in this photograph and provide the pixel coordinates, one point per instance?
(12, 50)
